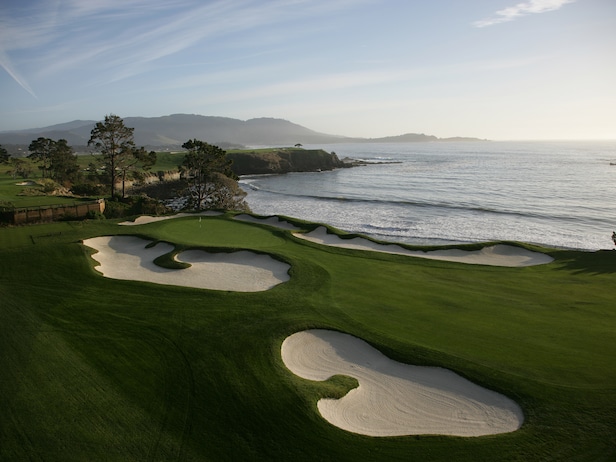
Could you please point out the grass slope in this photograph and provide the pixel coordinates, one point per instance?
(100, 369)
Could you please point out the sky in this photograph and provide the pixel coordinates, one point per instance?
(495, 69)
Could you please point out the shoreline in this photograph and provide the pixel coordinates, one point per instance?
(446, 193)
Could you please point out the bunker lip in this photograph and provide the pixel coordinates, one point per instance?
(129, 258)
(396, 399)
(275, 221)
(145, 219)
(496, 255)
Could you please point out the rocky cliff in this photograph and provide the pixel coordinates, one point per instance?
(283, 160)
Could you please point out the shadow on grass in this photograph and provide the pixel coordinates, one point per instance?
(599, 262)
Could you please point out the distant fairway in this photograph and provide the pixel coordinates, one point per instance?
(103, 369)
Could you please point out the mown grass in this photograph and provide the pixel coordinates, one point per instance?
(101, 369)
(168, 161)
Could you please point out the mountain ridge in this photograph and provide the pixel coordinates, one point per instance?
(171, 131)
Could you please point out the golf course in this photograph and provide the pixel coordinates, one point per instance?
(228, 337)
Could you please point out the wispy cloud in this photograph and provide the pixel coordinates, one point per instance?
(324, 83)
(6, 64)
(117, 39)
(522, 9)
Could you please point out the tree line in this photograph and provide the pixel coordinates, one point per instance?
(209, 182)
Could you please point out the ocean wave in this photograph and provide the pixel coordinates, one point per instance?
(418, 204)
(376, 159)
(455, 192)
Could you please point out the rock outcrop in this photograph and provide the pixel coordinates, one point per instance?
(283, 161)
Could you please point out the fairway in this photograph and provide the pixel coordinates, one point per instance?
(96, 368)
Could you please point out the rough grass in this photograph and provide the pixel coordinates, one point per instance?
(101, 369)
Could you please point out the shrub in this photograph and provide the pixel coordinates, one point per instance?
(95, 215)
(116, 209)
(88, 189)
(48, 185)
(134, 205)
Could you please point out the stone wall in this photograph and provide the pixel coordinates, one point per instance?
(28, 215)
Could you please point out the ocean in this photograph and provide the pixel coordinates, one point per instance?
(556, 194)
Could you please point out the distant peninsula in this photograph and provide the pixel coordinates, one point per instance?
(170, 132)
(415, 138)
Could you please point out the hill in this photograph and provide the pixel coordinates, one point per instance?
(171, 131)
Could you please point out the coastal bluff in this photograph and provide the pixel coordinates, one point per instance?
(283, 160)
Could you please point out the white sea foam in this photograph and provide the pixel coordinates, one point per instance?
(554, 194)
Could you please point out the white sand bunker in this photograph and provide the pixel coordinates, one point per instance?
(128, 258)
(272, 221)
(496, 255)
(395, 399)
(145, 219)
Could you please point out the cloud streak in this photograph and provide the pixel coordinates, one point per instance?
(522, 9)
(117, 39)
(6, 64)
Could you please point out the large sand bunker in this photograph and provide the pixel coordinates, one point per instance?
(129, 258)
(497, 255)
(395, 399)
